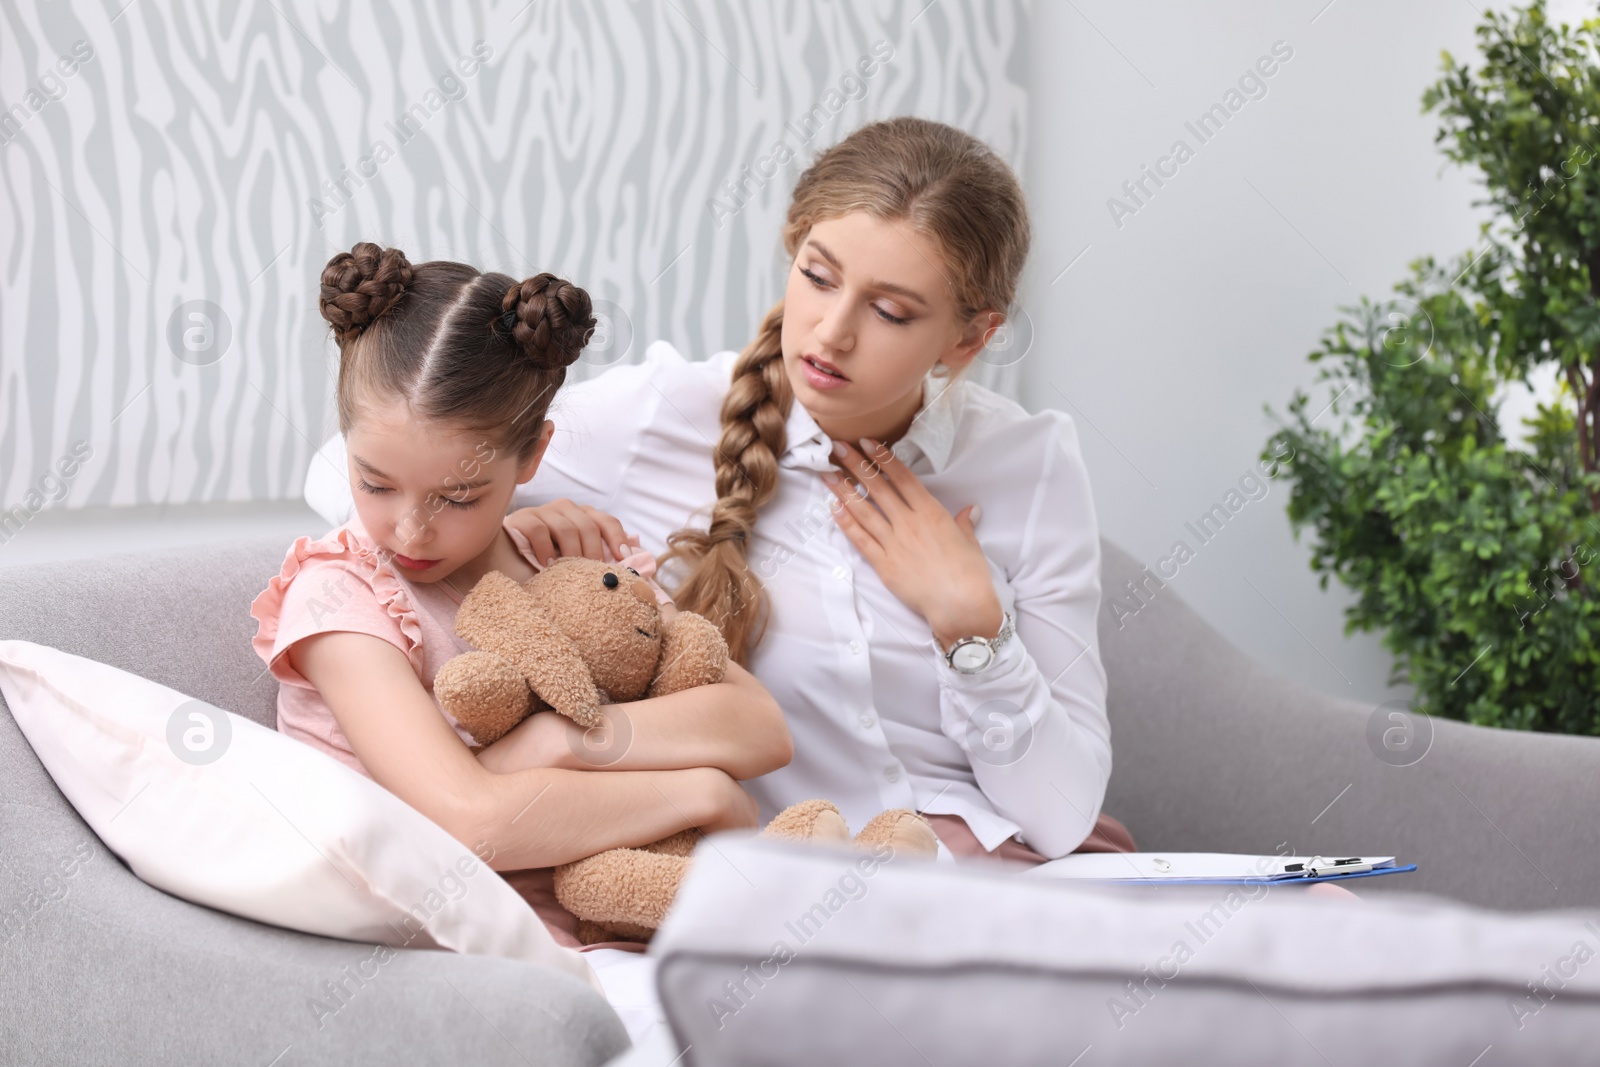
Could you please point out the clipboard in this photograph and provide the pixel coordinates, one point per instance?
(1212, 868)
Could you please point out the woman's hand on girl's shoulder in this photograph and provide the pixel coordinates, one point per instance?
(565, 528)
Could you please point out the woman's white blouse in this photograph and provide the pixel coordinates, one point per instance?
(879, 719)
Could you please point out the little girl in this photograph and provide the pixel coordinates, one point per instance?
(445, 375)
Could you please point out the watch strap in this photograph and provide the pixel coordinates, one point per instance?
(1007, 629)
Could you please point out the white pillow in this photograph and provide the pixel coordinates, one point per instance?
(213, 808)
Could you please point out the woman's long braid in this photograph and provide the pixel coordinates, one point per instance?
(720, 584)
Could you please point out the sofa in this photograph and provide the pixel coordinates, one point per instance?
(1212, 753)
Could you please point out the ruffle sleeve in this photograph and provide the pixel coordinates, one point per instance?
(335, 582)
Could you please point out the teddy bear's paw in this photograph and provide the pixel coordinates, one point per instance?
(902, 830)
(484, 693)
(809, 820)
(679, 844)
(592, 933)
(621, 885)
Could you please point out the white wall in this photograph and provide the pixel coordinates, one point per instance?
(1169, 333)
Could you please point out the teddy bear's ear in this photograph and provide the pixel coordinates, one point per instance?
(500, 616)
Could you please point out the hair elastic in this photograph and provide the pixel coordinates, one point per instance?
(508, 320)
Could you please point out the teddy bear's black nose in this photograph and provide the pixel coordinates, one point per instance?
(611, 580)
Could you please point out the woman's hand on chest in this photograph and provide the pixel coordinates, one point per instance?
(927, 557)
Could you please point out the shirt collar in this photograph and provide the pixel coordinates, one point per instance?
(931, 435)
(933, 431)
(807, 446)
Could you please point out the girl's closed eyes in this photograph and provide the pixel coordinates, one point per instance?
(361, 483)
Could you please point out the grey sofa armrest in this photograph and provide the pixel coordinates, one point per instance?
(1211, 753)
(98, 967)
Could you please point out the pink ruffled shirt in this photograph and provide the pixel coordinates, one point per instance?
(338, 582)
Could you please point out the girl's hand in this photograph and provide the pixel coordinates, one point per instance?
(543, 739)
(928, 559)
(562, 528)
(729, 807)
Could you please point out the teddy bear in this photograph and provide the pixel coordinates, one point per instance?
(580, 633)
(577, 634)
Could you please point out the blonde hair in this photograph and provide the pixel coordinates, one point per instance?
(950, 187)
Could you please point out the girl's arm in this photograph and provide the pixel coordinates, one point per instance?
(734, 726)
(531, 818)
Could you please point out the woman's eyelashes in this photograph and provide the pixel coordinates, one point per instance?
(886, 317)
(818, 281)
(463, 505)
(814, 278)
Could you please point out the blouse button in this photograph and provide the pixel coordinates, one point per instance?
(891, 773)
(855, 648)
(841, 572)
(867, 722)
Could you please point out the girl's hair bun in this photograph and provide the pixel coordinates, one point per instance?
(553, 319)
(360, 285)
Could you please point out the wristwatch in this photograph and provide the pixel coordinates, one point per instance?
(973, 655)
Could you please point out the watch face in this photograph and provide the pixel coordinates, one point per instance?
(971, 656)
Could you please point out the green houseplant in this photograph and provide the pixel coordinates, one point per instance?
(1475, 548)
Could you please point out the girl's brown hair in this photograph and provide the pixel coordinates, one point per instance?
(479, 350)
(950, 187)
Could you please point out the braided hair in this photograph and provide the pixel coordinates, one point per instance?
(480, 350)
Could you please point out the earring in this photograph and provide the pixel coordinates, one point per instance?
(940, 369)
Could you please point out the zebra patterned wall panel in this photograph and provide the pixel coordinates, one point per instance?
(176, 174)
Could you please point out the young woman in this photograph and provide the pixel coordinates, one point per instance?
(909, 562)
(445, 374)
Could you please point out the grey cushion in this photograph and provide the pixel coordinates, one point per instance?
(1211, 753)
(97, 967)
(783, 954)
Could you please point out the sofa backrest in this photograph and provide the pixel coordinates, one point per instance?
(180, 617)
(1211, 753)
